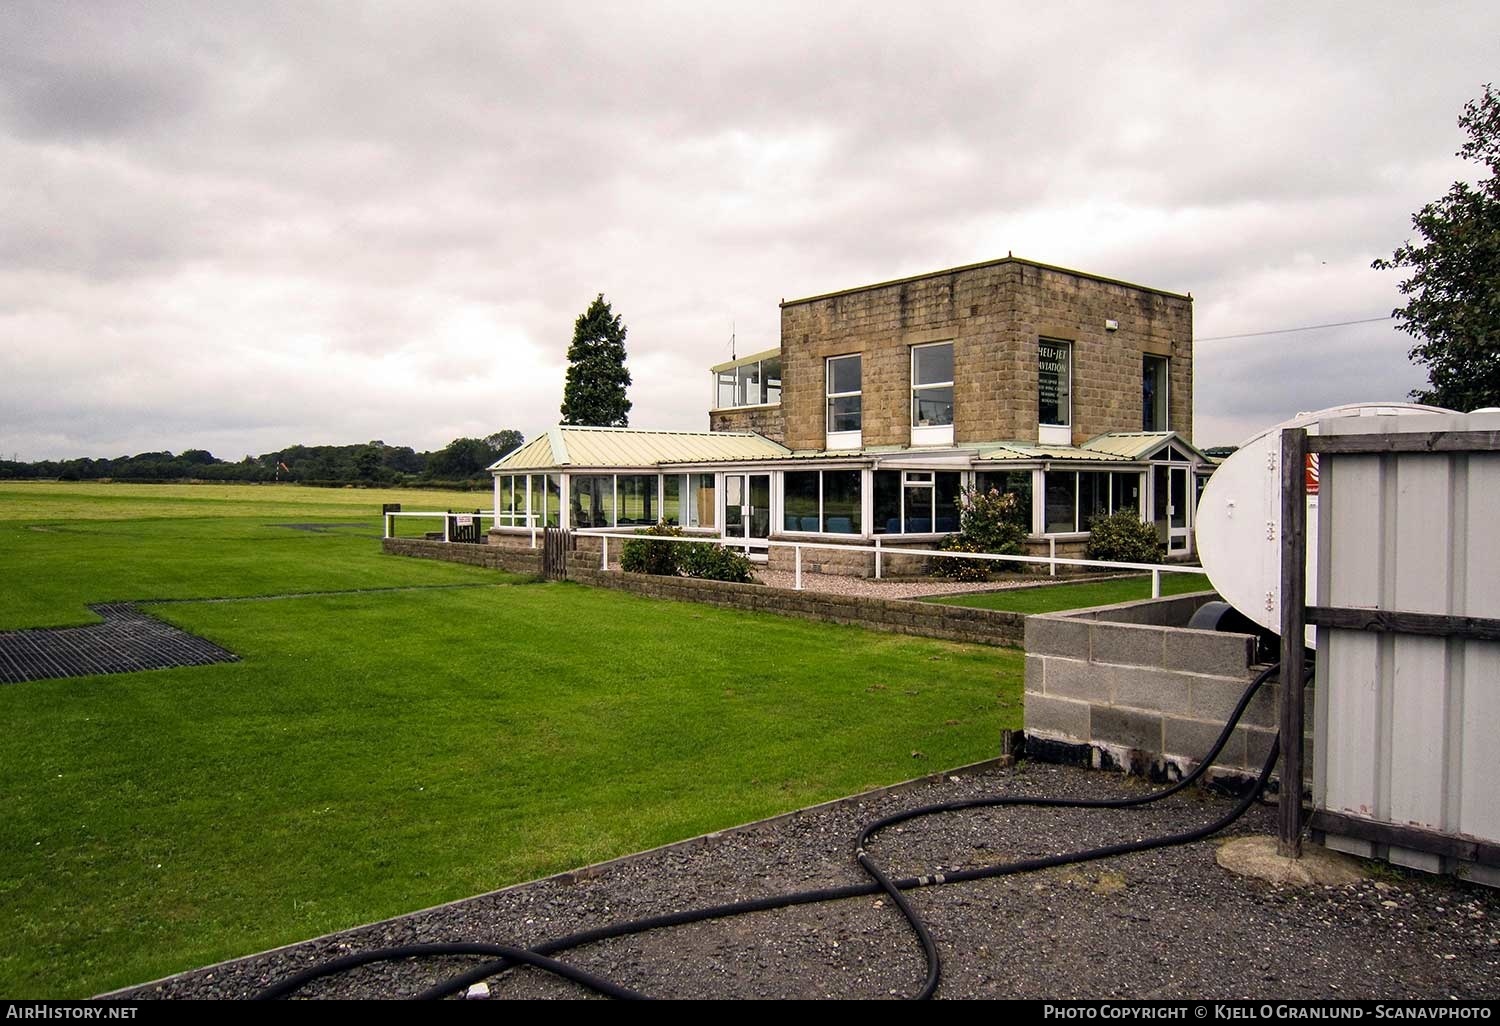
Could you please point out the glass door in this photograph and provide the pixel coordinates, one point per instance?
(1170, 503)
(747, 512)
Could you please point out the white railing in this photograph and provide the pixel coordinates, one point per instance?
(389, 528)
(1052, 561)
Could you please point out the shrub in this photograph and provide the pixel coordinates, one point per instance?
(653, 557)
(988, 522)
(1122, 537)
(714, 563)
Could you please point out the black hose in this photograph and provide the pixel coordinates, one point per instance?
(506, 957)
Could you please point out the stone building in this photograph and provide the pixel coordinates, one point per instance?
(884, 402)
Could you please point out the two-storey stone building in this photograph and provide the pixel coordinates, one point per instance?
(884, 402)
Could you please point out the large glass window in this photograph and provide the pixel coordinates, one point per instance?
(593, 500)
(700, 502)
(505, 502)
(554, 500)
(1154, 393)
(1073, 498)
(916, 501)
(932, 385)
(1055, 382)
(828, 501)
(844, 394)
(636, 496)
(757, 383)
(1015, 482)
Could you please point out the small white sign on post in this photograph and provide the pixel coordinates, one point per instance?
(465, 521)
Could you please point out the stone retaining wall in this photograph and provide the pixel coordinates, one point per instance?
(901, 616)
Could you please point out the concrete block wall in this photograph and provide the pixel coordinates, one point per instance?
(1133, 687)
(994, 314)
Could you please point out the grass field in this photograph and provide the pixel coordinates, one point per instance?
(376, 751)
(1054, 597)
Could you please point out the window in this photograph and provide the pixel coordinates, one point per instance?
(1013, 482)
(637, 499)
(916, 501)
(844, 400)
(825, 501)
(932, 394)
(1054, 383)
(1073, 498)
(755, 383)
(593, 500)
(1154, 393)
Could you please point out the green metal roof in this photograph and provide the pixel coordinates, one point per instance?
(579, 447)
(1137, 445)
(1027, 452)
(752, 358)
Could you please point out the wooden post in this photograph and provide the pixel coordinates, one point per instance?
(1293, 629)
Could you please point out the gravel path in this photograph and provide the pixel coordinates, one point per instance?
(1162, 924)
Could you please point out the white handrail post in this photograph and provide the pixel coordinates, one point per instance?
(877, 557)
(797, 549)
(603, 553)
(446, 520)
(1052, 555)
(532, 522)
(387, 519)
(1156, 583)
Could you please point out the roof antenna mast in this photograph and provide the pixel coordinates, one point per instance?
(731, 342)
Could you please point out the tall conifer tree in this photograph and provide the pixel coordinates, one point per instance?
(594, 393)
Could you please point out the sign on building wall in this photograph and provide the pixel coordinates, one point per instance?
(1053, 365)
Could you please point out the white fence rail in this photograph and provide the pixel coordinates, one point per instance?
(1053, 561)
(389, 528)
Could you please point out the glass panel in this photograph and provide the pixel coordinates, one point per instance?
(554, 499)
(843, 374)
(1061, 487)
(932, 365)
(1125, 491)
(887, 502)
(725, 392)
(748, 391)
(637, 500)
(772, 371)
(800, 501)
(918, 509)
(1179, 496)
(538, 484)
(1159, 497)
(1053, 385)
(1153, 393)
(1093, 497)
(701, 500)
(671, 504)
(760, 505)
(841, 501)
(932, 407)
(505, 504)
(734, 514)
(843, 413)
(593, 500)
(946, 501)
(1016, 482)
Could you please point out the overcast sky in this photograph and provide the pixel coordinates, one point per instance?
(240, 226)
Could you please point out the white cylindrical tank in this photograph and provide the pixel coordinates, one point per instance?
(1239, 516)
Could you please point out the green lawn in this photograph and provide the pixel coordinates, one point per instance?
(380, 751)
(1050, 598)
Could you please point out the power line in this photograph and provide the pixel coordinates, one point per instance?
(1284, 331)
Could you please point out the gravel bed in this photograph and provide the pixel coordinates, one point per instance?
(1162, 924)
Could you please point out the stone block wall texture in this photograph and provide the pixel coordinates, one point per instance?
(994, 314)
(902, 616)
(1135, 685)
(763, 420)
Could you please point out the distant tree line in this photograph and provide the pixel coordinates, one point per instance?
(459, 464)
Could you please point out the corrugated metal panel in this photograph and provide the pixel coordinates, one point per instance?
(574, 447)
(1407, 727)
(534, 455)
(1014, 451)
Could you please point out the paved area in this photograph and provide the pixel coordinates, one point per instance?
(128, 641)
(1169, 923)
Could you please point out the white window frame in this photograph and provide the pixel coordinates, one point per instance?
(842, 439)
(932, 434)
(1165, 383)
(1078, 529)
(1055, 434)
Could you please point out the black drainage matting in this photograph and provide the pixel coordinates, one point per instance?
(126, 642)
